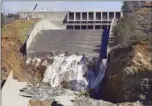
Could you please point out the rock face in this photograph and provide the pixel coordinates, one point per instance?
(129, 74)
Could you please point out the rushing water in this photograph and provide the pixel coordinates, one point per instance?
(74, 70)
(67, 68)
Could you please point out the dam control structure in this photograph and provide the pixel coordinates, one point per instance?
(73, 32)
(77, 20)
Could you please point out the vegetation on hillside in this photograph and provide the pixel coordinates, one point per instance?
(5, 19)
(18, 28)
(135, 25)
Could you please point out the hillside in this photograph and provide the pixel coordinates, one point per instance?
(13, 36)
(128, 77)
(135, 25)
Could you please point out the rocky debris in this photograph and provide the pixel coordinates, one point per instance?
(129, 74)
(84, 101)
(45, 95)
(34, 102)
(130, 104)
(35, 68)
(36, 62)
(42, 92)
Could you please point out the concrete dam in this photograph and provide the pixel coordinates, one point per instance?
(73, 41)
(68, 31)
(79, 56)
(74, 32)
(77, 20)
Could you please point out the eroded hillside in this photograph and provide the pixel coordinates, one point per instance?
(13, 36)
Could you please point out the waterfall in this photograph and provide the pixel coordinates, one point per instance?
(96, 76)
(74, 70)
(67, 68)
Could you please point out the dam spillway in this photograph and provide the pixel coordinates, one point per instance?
(63, 52)
(72, 41)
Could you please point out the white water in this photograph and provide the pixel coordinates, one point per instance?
(67, 68)
(72, 70)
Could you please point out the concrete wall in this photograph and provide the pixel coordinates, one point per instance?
(10, 92)
(73, 16)
(111, 37)
(91, 19)
(5, 90)
(94, 15)
(78, 19)
(44, 24)
(113, 23)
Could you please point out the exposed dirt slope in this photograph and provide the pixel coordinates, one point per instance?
(13, 35)
(129, 74)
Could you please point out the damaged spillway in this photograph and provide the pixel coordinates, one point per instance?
(70, 69)
(77, 72)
